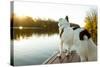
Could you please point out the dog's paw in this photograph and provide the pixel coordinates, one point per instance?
(67, 54)
(59, 55)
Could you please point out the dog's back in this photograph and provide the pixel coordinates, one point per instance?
(84, 46)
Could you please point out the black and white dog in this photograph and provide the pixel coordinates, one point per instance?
(77, 39)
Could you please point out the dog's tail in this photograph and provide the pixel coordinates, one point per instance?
(84, 35)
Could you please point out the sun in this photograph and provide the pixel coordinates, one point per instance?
(20, 27)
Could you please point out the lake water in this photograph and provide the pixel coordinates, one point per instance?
(34, 49)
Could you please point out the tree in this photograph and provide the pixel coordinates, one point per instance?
(91, 24)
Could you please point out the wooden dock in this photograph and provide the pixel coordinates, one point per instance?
(54, 59)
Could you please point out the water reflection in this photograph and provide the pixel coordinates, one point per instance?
(22, 33)
(33, 46)
(34, 50)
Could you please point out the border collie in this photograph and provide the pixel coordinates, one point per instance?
(77, 39)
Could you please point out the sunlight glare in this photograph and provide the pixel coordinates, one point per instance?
(53, 11)
(20, 27)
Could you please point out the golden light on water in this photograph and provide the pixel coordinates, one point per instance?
(20, 27)
(21, 38)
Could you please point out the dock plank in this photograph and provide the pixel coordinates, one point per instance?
(73, 57)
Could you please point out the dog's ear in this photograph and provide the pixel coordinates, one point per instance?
(67, 18)
(60, 19)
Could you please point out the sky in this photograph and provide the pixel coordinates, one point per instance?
(76, 13)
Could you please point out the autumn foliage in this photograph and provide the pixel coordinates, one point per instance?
(91, 24)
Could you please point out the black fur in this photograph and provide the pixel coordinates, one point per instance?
(75, 28)
(61, 32)
(84, 32)
(67, 18)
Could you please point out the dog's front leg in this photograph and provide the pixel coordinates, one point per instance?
(60, 49)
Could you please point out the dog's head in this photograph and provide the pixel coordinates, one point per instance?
(63, 23)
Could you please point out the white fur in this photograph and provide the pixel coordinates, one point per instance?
(67, 35)
(86, 49)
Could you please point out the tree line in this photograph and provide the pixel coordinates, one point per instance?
(50, 26)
